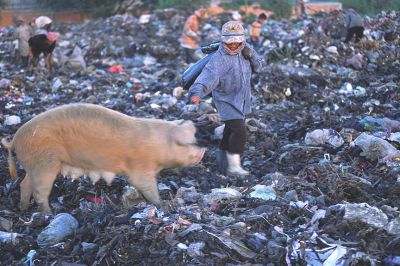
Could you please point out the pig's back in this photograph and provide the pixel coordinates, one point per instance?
(80, 127)
(72, 118)
(82, 112)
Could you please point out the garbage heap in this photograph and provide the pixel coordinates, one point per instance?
(323, 150)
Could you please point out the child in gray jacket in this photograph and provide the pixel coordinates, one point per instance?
(228, 75)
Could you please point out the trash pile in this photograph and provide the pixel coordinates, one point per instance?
(323, 150)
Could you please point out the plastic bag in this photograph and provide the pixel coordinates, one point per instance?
(375, 148)
(60, 227)
(75, 61)
(9, 238)
(210, 48)
(115, 69)
(191, 74)
(323, 136)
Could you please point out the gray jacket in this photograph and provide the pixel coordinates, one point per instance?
(354, 20)
(228, 77)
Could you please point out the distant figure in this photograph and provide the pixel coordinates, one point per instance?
(43, 24)
(22, 34)
(43, 43)
(191, 35)
(300, 8)
(355, 25)
(255, 30)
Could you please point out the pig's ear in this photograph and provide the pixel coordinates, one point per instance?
(184, 133)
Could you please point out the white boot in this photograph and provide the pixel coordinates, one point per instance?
(234, 167)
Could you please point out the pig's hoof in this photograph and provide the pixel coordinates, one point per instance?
(166, 206)
(23, 206)
(45, 210)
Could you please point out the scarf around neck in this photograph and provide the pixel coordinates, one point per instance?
(236, 51)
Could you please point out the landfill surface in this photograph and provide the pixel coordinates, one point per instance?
(322, 150)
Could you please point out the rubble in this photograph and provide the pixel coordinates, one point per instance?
(324, 136)
(365, 213)
(9, 238)
(59, 228)
(263, 192)
(12, 120)
(376, 148)
(323, 149)
(222, 194)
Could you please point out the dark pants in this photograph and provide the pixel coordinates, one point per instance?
(24, 61)
(48, 59)
(234, 137)
(189, 55)
(358, 31)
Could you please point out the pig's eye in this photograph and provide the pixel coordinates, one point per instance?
(187, 144)
(190, 144)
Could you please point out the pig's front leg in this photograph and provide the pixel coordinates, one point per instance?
(146, 183)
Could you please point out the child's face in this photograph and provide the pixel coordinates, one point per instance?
(261, 20)
(233, 46)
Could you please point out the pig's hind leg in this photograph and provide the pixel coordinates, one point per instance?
(26, 192)
(43, 176)
(147, 185)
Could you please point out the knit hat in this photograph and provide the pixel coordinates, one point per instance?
(19, 19)
(42, 21)
(232, 31)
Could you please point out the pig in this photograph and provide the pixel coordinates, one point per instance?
(91, 140)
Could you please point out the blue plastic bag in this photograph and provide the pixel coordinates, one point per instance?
(190, 75)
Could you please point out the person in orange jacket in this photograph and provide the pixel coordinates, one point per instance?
(255, 30)
(191, 35)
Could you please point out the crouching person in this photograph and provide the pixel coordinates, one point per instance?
(43, 44)
(228, 75)
(355, 26)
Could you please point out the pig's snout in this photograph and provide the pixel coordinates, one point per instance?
(197, 156)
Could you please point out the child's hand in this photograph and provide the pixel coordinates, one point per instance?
(195, 99)
(247, 53)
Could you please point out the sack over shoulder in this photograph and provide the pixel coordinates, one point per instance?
(210, 48)
(190, 75)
